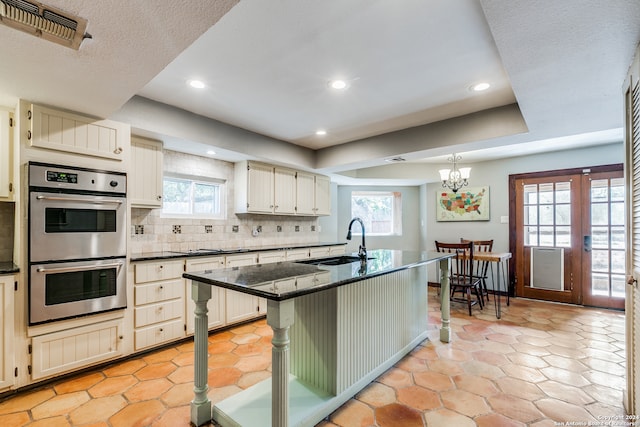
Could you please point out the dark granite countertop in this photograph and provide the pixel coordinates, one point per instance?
(148, 256)
(8, 267)
(256, 279)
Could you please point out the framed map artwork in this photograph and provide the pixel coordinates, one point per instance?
(468, 204)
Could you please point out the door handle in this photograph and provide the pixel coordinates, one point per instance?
(587, 243)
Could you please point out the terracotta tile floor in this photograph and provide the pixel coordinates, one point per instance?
(540, 363)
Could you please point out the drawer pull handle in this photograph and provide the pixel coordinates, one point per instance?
(161, 330)
(160, 287)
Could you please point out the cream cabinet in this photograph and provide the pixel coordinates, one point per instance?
(6, 156)
(296, 254)
(324, 251)
(145, 173)
(267, 189)
(284, 191)
(322, 195)
(313, 194)
(242, 306)
(271, 256)
(217, 304)
(7, 362)
(62, 131)
(72, 349)
(159, 302)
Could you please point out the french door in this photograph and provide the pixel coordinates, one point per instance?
(569, 234)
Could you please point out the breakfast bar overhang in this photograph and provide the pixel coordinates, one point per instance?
(336, 327)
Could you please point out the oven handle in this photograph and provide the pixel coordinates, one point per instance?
(83, 268)
(77, 199)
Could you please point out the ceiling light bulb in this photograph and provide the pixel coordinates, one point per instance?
(211, 152)
(481, 86)
(196, 84)
(339, 84)
(321, 132)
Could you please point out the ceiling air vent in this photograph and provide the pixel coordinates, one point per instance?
(44, 21)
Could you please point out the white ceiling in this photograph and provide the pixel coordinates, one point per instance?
(266, 65)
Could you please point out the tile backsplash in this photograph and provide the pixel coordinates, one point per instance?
(7, 225)
(151, 232)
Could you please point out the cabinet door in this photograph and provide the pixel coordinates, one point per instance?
(56, 130)
(323, 195)
(6, 156)
(145, 177)
(6, 327)
(284, 191)
(71, 349)
(241, 306)
(305, 193)
(260, 188)
(216, 305)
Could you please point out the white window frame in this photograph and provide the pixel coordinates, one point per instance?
(396, 213)
(193, 180)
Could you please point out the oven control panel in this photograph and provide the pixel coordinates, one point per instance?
(55, 176)
(62, 178)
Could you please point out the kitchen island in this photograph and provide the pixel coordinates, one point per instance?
(338, 323)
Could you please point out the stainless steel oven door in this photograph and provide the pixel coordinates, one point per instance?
(75, 226)
(72, 289)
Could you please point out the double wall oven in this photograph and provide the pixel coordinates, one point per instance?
(77, 241)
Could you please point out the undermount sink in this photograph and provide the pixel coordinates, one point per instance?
(343, 259)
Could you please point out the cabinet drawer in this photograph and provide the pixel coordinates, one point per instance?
(296, 254)
(319, 252)
(158, 334)
(209, 263)
(156, 292)
(338, 250)
(271, 256)
(241, 260)
(159, 312)
(153, 271)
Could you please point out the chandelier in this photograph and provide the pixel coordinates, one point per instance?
(455, 178)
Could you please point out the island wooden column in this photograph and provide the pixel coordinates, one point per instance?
(280, 318)
(201, 405)
(445, 303)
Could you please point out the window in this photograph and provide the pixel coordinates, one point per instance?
(381, 211)
(202, 197)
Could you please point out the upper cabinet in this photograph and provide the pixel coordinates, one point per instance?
(145, 174)
(267, 189)
(62, 131)
(313, 194)
(6, 156)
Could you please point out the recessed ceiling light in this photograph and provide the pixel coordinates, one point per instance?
(196, 84)
(211, 152)
(321, 132)
(479, 87)
(338, 84)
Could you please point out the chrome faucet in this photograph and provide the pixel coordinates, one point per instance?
(362, 250)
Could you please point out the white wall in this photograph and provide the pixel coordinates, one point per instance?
(410, 238)
(495, 174)
(420, 228)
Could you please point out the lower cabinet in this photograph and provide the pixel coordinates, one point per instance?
(64, 351)
(217, 304)
(242, 306)
(6, 328)
(159, 303)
